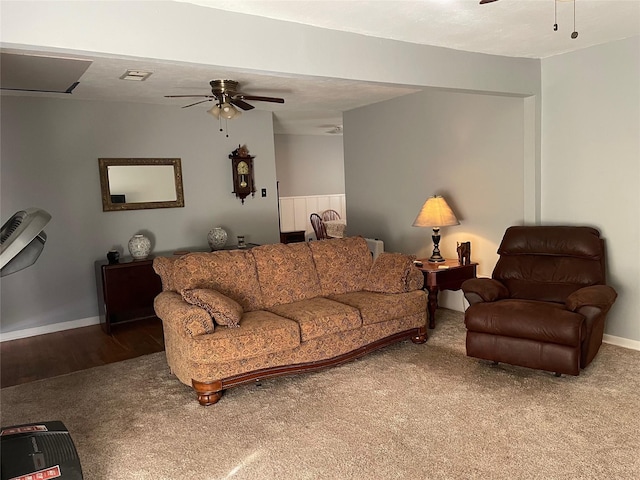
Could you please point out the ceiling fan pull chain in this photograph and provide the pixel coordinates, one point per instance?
(555, 15)
(574, 34)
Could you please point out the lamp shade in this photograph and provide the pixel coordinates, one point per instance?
(435, 213)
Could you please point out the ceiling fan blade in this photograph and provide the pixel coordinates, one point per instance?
(482, 2)
(260, 99)
(241, 103)
(196, 103)
(189, 96)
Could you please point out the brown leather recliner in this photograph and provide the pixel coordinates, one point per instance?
(546, 302)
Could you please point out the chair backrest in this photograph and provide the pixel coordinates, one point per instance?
(548, 263)
(318, 226)
(330, 215)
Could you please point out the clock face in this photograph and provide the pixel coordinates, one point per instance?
(243, 168)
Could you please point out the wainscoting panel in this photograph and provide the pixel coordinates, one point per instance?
(295, 211)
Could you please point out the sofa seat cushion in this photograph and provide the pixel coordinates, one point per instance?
(320, 316)
(380, 307)
(230, 272)
(287, 273)
(342, 264)
(540, 321)
(260, 333)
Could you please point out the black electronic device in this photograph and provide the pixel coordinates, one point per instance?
(42, 451)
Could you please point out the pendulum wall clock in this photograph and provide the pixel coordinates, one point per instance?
(242, 169)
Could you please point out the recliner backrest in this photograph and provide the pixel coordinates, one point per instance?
(548, 263)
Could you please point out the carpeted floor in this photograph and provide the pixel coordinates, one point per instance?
(406, 412)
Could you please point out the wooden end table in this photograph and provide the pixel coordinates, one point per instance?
(436, 279)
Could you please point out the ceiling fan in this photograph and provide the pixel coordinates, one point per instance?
(574, 34)
(225, 93)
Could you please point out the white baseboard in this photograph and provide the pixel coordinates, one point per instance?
(621, 342)
(56, 327)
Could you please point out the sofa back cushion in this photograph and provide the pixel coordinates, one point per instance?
(231, 272)
(163, 266)
(342, 264)
(390, 273)
(286, 272)
(548, 263)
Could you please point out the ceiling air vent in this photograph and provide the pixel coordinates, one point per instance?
(135, 75)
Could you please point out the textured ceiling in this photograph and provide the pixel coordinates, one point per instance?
(513, 28)
(314, 105)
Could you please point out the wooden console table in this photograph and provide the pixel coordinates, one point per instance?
(294, 236)
(436, 279)
(126, 290)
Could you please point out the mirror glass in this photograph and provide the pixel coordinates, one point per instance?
(140, 183)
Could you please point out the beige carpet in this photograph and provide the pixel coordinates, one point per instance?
(406, 412)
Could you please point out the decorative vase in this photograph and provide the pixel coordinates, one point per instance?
(139, 246)
(217, 238)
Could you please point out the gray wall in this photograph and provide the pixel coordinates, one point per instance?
(466, 147)
(591, 159)
(309, 164)
(50, 151)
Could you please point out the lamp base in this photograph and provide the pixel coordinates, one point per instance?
(436, 259)
(435, 255)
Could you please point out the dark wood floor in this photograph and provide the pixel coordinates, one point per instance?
(53, 354)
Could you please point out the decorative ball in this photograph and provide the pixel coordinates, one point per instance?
(217, 238)
(139, 246)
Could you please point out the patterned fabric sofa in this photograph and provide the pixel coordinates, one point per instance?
(232, 317)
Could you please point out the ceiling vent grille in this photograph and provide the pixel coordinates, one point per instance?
(135, 75)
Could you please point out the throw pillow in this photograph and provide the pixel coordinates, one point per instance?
(389, 273)
(223, 310)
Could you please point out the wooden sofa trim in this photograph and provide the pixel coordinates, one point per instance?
(210, 392)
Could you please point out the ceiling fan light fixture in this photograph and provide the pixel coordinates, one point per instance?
(228, 111)
(215, 111)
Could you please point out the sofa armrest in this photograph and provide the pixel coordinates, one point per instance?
(188, 320)
(478, 290)
(598, 296)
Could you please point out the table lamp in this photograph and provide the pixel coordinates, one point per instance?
(435, 213)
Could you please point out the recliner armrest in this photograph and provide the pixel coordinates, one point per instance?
(598, 296)
(478, 290)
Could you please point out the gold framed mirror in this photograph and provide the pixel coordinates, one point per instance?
(140, 183)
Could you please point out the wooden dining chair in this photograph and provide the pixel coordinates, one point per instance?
(328, 215)
(318, 226)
